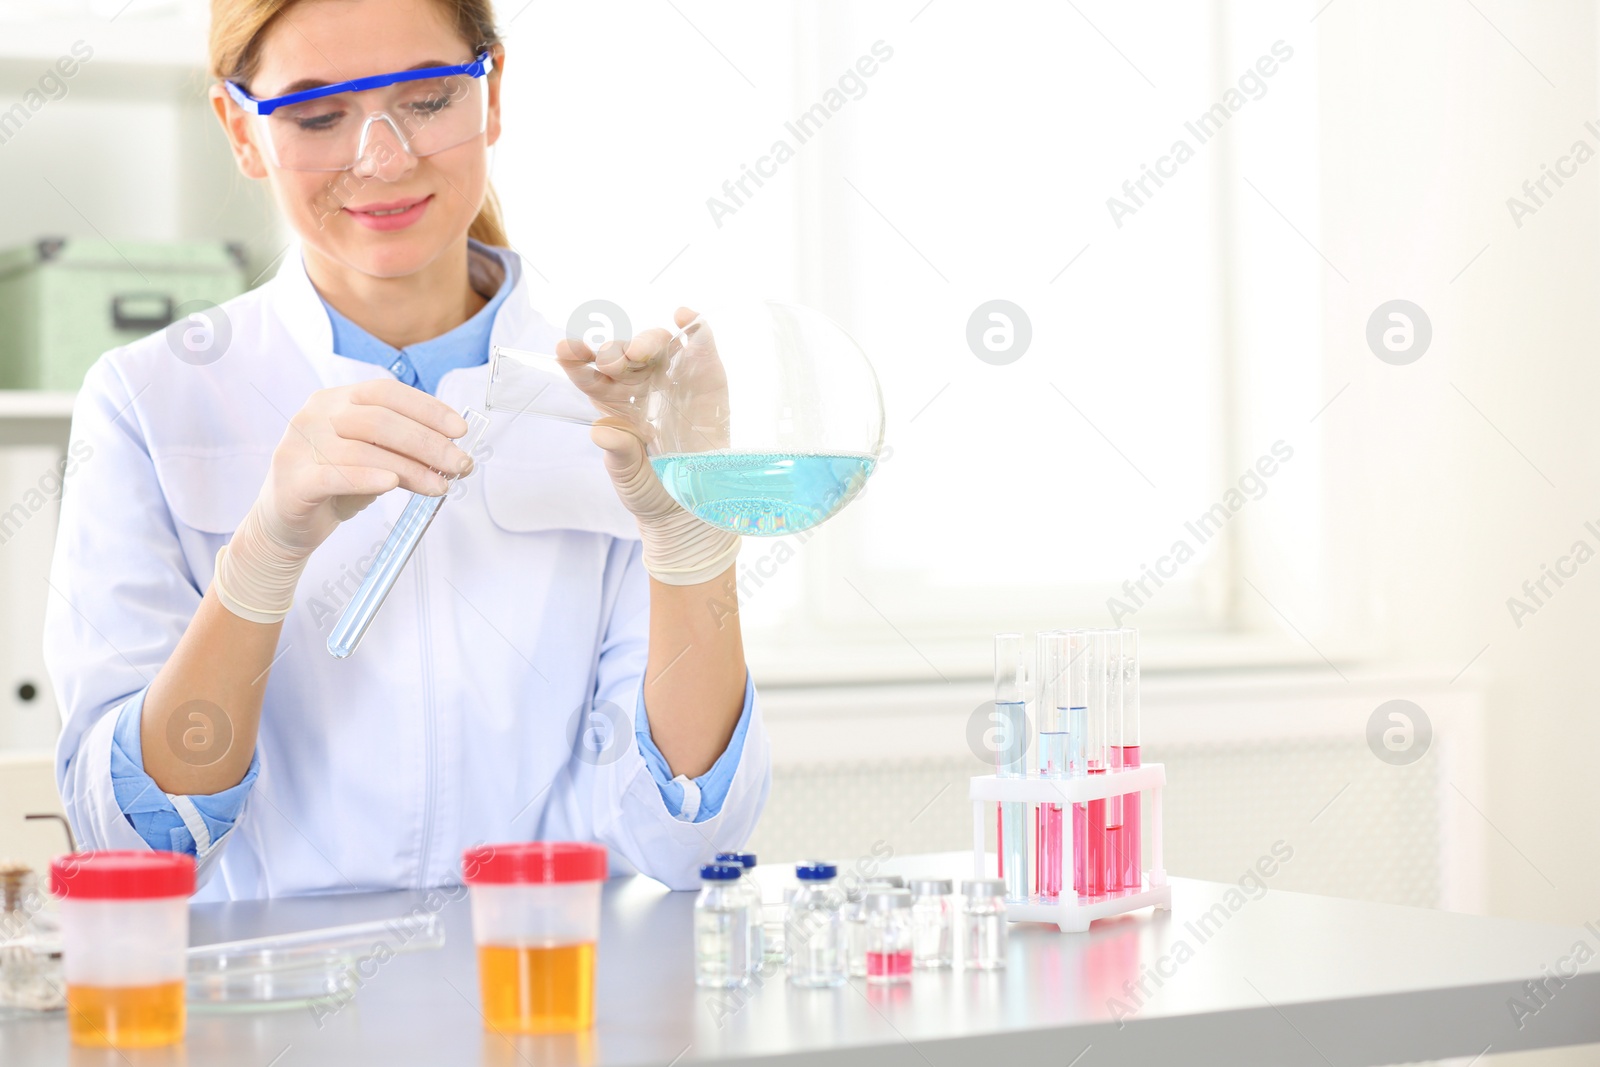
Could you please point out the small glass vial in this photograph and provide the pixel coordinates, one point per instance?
(124, 945)
(721, 928)
(984, 922)
(18, 899)
(931, 926)
(775, 916)
(855, 931)
(746, 861)
(855, 919)
(888, 936)
(815, 931)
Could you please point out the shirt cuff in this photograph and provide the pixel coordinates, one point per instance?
(169, 823)
(694, 799)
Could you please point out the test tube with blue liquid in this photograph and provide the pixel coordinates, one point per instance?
(1052, 715)
(1010, 709)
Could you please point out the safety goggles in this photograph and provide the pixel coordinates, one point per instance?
(333, 127)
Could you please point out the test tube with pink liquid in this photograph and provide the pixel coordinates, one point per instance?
(1052, 708)
(1131, 873)
(1112, 667)
(1086, 672)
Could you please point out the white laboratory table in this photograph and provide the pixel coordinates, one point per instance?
(1282, 980)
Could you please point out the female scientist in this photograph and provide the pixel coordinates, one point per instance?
(546, 668)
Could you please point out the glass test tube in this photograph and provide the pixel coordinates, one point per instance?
(1114, 840)
(1010, 696)
(1094, 763)
(396, 552)
(1052, 715)
(1132, 813)
(1077, 702)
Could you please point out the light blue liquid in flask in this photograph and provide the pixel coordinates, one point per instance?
(763, 494)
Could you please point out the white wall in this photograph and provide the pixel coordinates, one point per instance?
(1430, 119)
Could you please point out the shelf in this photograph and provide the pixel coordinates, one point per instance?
(36, 404)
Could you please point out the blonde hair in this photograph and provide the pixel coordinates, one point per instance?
(238, 25)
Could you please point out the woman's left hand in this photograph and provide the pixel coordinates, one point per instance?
(679, 549)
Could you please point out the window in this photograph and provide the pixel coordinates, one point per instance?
(1024, 152)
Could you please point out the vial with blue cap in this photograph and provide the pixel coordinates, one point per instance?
(814, 935)
(746, 861)
(721, 928)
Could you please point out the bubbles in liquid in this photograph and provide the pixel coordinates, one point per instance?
(764, 494)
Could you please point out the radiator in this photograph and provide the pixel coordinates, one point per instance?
(1251, 760)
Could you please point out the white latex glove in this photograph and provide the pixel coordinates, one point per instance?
(346, 447)
(679, 549)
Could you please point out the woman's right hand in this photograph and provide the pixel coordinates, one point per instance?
(349, 445)
(346, 447)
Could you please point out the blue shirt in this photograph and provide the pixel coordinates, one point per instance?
(423, 364)
(195, 824)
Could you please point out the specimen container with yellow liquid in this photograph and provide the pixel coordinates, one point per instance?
(536, 921)
(124, 943)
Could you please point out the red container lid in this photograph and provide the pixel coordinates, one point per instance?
(534, 863)
(125, 875)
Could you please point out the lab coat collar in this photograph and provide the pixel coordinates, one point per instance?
(294, 299)
(516, 318)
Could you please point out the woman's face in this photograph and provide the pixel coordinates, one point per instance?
(394, 213)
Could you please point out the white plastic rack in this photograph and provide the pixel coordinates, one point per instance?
(1071, 913)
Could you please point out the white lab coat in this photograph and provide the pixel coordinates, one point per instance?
(452, 724)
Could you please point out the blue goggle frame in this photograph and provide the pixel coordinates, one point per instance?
(478, 68)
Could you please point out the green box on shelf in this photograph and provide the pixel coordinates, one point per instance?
(64, 303)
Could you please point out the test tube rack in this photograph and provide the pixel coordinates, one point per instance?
(1071, 913)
